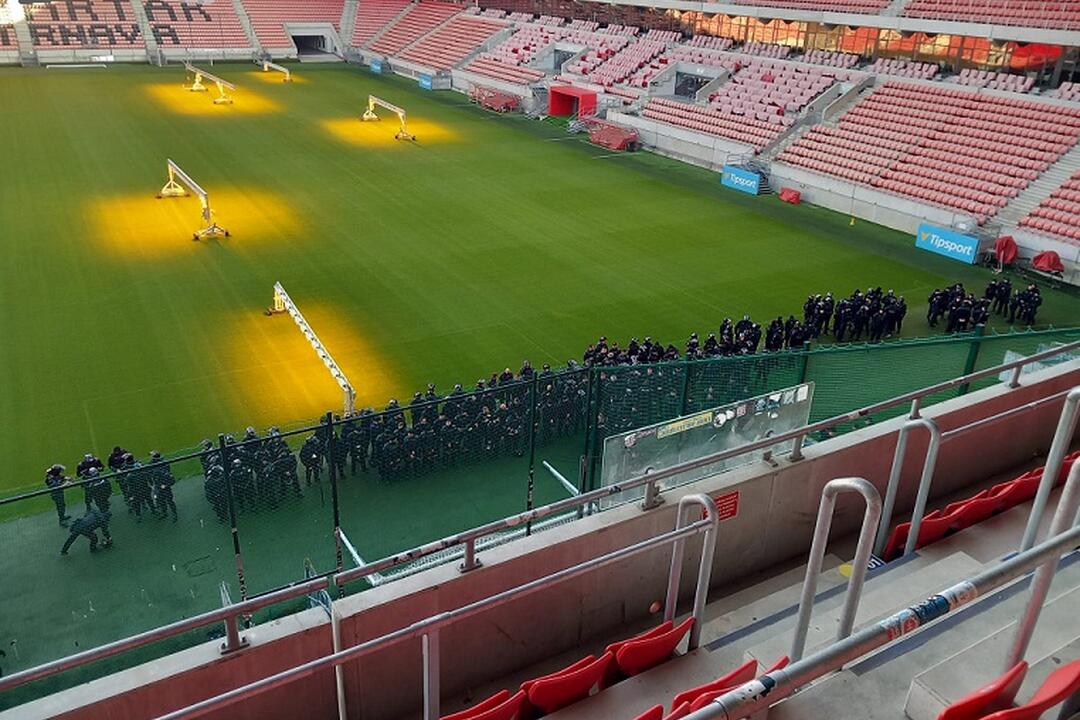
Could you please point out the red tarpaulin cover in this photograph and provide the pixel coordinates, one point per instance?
(1005, 249)
(1048, 261)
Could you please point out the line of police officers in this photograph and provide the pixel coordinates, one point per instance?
(144, 488)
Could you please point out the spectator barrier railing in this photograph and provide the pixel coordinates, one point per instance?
(859, 565)
(237, 516)
(1059, 447)
(428, 628)
(761, 693)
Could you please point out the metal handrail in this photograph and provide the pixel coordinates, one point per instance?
(1064, 518)
(227, 614)
(1058, 448)
(428, 627)
(895, 471)
(757, 695)
(469, 538)
(859, 565)
(937, 437)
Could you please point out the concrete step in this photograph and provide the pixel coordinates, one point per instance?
(879, 600)
(878, 685)
(976, 665)
(764, 599)
(777, 624)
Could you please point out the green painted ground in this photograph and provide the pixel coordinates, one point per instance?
(491, 240)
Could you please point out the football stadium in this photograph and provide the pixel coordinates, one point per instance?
(496, 360)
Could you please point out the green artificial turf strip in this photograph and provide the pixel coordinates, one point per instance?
(447, 260)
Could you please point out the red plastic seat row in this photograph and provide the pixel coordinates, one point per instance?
(965, 513)
(590, 675)
(994, 701)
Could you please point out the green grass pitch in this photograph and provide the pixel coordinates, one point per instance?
(491, 240)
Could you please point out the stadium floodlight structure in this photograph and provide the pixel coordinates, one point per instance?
(179, 185)
(283, 303)
(267, 66)
(369, 114)
(224, 86)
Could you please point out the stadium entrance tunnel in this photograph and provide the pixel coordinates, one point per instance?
(312, 45)
(353, 131)
(142, 226)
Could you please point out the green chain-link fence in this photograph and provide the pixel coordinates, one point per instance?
(242, 517)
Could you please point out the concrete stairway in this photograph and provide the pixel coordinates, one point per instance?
(757, 621)
(245, 22)
(393, 21)
(348, 22)
(1040, 188)
(144, 27)
(979, 663)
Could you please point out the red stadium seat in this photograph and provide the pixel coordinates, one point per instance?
(744, 673)
(583, 662)
(653, 713)
(997, 694)
(514, 708)
(637, 656)
(658, 630)
(1061, 685)
(553, 693)
(494, 701)
(679, 712)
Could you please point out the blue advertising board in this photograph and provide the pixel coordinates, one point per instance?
(376, 66)
(947, 242)
(739, 179)
(425, 82)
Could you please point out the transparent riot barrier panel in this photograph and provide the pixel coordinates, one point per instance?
(664, 445)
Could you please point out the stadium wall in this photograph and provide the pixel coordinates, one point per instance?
(862, 201)
(781, 498)
(685, 145)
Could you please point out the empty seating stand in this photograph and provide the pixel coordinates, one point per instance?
(710, 121)
(871, 7)
(372, 16)
(268, 18)
(8, 43)
(830, 58)
(995, 80)
(903, 68)
(502, 71)
(189, 25)
(421, 19)
(92, 24)
(453, 42)
(1059, 214)
(966, 151)
(1062, 15)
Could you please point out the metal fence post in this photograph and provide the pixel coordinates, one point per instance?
(973, 356)
(685, 391)
(923, 493)
(430, 644)
(331, 443)
(1058, 448)
(223, 450)
(817, 555)
(535, 417)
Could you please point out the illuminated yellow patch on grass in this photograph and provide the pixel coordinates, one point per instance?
(142, 226)
(276, 377)
(273, 77)
(174, 98)
(380, 133)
